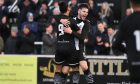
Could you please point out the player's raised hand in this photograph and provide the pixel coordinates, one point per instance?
(65, 22)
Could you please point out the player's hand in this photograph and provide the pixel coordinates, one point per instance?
(65, 22)
(79, 31)
(67, 30)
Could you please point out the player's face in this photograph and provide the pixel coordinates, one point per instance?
(83, 13)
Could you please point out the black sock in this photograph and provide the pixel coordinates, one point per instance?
(64, 75)
(64, 78)
(86, 72)
(57, 78)
(75, 77)
(88, 76)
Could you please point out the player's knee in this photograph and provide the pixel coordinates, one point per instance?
(83, 65)
(65, 70)
(58, 68)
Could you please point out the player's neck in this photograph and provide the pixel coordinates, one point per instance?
(78, 17)
(67, 14)
(136, 8)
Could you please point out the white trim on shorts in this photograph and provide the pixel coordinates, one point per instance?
(73, 64)
(59, 62)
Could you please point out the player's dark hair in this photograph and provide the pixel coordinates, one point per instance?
(135, 1)
(63, 7)
(83, 5)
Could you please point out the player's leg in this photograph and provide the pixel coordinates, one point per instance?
(64, 74)
(85, 68)
(87, 73)
(66, 67)
(57, 75)
(75, 74)
(134, 76)
(75, 68)
(58, 61)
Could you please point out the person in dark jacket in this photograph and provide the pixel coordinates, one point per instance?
(26, 41)
(4, 29)
(49, 40)
(102, 40)
(11, 42)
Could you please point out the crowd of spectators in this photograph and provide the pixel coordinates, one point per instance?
(29, 21)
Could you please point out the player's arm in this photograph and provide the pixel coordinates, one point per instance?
(77, 32)
(72, 28)
(85, 31)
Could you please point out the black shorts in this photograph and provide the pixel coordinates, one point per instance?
(64, 54)
(134, 74)
(77, 57)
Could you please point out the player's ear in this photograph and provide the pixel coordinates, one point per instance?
(79, 10)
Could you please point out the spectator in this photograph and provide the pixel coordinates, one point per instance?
(54, 5)
(93, 12)
(4, 29)
(106, 14)
(49, 40)
(93, 16)
(3, 9)
(26, 6)
(11, 43)
(33, 25)
(111, 33)
(42, 18)
(102, 40)
(26, 41)
(30, 22)
(43, 12)
(56, 11)
(74, 8)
